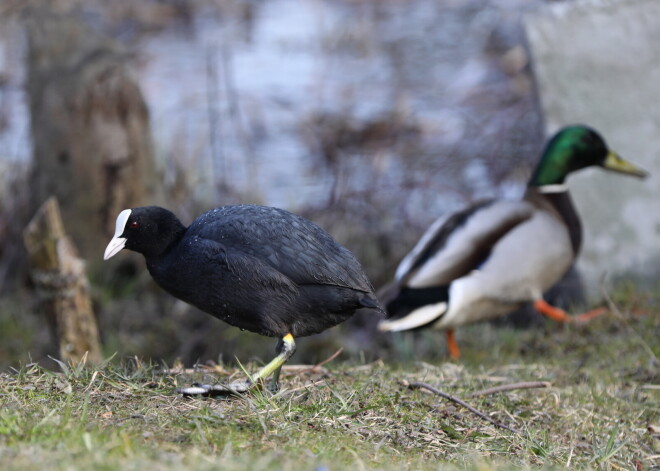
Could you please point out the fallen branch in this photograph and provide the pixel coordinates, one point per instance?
(461, 403)
(511, 387)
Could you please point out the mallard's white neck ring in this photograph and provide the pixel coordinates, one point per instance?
(555, 188)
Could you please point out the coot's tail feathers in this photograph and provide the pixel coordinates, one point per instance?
(370, 301)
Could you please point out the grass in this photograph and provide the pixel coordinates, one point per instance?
(354, 415)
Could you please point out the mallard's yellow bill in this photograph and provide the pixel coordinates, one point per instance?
(617, 164)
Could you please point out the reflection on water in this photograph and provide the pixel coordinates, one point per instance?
(290, 103)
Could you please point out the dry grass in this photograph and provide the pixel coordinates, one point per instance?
(598, 413)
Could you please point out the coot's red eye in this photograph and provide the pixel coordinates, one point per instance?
(133, 225)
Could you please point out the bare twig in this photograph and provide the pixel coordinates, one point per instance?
(320, 382)
(301, 369)
(198, 368)
(511, 387)
(330, 358)
(462, 403)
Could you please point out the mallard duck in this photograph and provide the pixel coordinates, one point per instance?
(489, 259)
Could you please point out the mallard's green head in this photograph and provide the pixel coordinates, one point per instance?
(574, 148)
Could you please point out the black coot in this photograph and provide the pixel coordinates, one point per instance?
(258, 268)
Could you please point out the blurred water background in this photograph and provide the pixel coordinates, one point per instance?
(371, 118)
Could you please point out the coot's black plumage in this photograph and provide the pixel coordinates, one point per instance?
(258, 268)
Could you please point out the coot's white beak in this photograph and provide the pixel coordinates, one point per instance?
(113, 247)
(117, 243)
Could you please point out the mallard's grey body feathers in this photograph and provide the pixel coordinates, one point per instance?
(473, 256)
(489, 259)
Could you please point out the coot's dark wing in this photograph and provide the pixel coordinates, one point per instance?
(459, 243)
(291, 244)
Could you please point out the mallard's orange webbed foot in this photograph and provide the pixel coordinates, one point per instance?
(454, 351)
(560, 315)
(587, 316)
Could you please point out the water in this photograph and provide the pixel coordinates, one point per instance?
(247, 95)
(262, 85)
(14, 116)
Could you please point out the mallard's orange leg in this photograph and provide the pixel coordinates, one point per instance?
(454, 351)
(560, 315)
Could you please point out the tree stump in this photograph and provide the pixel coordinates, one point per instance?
(90, 124)
(59, 276)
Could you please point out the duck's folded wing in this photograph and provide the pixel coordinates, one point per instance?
(459, 243)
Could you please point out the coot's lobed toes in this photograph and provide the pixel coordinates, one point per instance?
(194, 390)
(211, 390)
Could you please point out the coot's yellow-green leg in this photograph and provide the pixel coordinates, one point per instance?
(286, 348)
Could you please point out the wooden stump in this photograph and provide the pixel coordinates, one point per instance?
(90, 125)
(59, 275)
